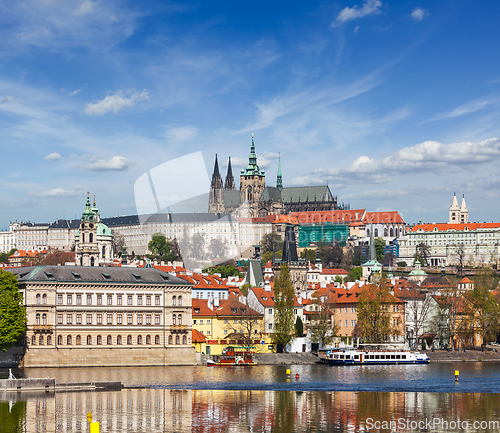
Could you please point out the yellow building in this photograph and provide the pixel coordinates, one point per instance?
(228, 323)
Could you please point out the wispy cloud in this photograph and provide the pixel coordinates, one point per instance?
(75, 92)
(52, 157)
(115, 103)
(86, 7)
(115, 163)
(470, 107)
(57, 192)
(181, 134)
(418, 13)
(348, 14)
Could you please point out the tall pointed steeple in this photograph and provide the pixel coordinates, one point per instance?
(229, 185)
(454, 211)
(464, 213)
(216, 202)
(252, 167)
(279, 178)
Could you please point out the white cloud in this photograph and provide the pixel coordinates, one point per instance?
(7, 100)
(424, 157)
(86, 7)
(115, 163)
(57, 192)
(181, 134)
(418, 13)
(115, 103)
(75, 92)
(348, 14)
(52, 157)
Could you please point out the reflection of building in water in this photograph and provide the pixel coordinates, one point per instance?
(150, 410)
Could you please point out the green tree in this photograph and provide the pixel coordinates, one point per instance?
(299, 327)
(224, 271)
(485, 306)
(374, 319)
(357, 257)
(284, 301)
(310, 254)
(4, 257)
(323, 327)
(379, 249)
(197, 246)
(423, 251)
(269, 242)
(12, 311)
(161, 248)
(338, 279)
(217, 248)
(355, 273)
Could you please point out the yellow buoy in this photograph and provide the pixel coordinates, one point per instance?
(456, 375)
(288, 371)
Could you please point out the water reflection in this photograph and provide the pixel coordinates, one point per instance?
(165, 410)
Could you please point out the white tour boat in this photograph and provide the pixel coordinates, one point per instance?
(375, 355)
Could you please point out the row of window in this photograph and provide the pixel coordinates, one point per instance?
(176, 319)
(176, 300)
(99, 340)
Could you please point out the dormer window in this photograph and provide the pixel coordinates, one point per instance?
(76, 275)
(106, 276)
(137, 277)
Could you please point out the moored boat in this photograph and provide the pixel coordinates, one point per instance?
(375, 356)
(233, 357)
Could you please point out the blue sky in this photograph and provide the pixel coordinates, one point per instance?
(394, 104)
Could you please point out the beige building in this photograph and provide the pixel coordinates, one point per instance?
(88, 316)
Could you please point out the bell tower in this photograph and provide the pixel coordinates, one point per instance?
(86, 249)
(252, 181)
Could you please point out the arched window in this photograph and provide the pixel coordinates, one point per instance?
(40, 340)
(174, 300)
(169, 339)
(139, 339)
(177, 340)
(392, 232)
(59, 340)
(385, 231)
(78, 340)
(68, 340)
(375, 233)
(179, 319)
(148, 339)
(89, 340)
(109, 340)
(119, 340)
(49, 340)
(44, 319)
(91, 261)
(38, 298)
(173, 319)
(91, 237)
(103, 252)
(129, 339)
(44, 298)
(99, 339)
(37, 318)
(184, 339)
(368, 232)
(396, 232)
(33, 340)
(180, 300)
(83, 238)
(157, 339)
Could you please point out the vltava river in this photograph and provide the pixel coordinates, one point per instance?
(264, 399)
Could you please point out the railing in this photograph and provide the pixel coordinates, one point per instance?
(42, 328)
(178, 327)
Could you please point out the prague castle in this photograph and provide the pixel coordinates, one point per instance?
(260, 200)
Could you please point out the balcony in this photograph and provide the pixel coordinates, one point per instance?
(42, 328)
(178, 328)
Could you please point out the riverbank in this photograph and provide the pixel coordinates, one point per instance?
(467, 356)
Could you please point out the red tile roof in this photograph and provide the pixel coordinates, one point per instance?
(334, 272)
(286, 219)
(197, 336)
(332, 216)
(267, 219)
(455, 227)
(465, 280)
(383, 217)
(200, 307)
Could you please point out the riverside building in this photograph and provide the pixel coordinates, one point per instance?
(105, 316)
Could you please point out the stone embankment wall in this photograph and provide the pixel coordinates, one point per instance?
(468, 356)
(107, 357)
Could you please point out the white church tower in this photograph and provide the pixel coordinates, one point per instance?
(458, 214)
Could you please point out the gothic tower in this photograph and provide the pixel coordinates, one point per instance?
(229, 185)
(86, 249)
(464, 213)
(279, 178)
(216, 199)
(252, 182)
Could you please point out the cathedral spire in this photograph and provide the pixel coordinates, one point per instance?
(279, 178)
(252, 167)
(229, 185)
